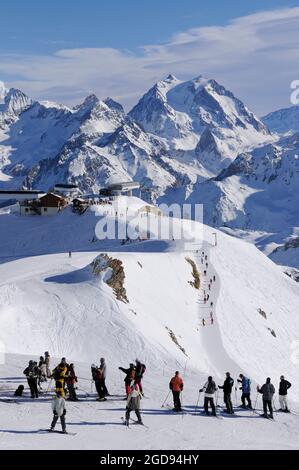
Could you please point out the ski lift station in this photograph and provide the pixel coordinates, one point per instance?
(121, 189)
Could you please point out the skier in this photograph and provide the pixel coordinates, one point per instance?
(31, 373)
(268, 391)
(103, 368)
(209, 388)
(97, 375)
(42, 367)
(176, 385)
(59, 411)
(246, 389)
(205, 273)
(70, 254)
(59, 375)
(133, 402)
(71, 380)
(130, 375)
(140, 370)
(227, 391)
(214, 278)
(19, 391)
(47, 361)
(203, 322)
(283, 393)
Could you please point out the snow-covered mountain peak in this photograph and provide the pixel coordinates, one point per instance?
(112, 104)
(15, 101)
(283, 121)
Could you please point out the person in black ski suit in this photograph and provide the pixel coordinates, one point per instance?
(103, 368)
(209, 388)
(268, 391)
(227, 391)
(130, 375)
(140, 370)
(31, 373)
(283, 393)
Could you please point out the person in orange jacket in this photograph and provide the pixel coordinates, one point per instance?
(176, 385)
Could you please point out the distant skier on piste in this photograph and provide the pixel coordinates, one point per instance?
(133, 402)
(176, 385)
(210, 389)
(130, 375)
(246, 391)
(268, 391)
(283, 393)
(227, 391)
(59, 411)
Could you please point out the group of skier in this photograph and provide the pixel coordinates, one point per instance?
(210, 390)
(65, 384)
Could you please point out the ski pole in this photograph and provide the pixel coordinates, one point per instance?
(273, 401)
(254, 408)
(49, 386)
(162, 406)
(182, 404)
(197, 404)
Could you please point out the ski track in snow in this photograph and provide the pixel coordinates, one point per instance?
(55, 303)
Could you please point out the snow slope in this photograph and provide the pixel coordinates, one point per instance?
(53, 302)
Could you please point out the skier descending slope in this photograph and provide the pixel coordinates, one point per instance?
(31, 373)
(133, 402)
(283, 393)
(246, 390)
(59, 411)
(268, 391)
(130, 375)
(209, 388)
(176, 385)
(227, 391)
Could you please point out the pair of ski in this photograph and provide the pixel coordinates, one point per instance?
(53, 431)
(134, 421)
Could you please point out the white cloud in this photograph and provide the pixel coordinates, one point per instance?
(255, 56)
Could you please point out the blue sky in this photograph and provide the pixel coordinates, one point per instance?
(65, 49)
(39, 26)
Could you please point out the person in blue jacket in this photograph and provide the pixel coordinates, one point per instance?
(246, 390)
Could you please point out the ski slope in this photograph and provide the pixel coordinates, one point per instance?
(56, 303)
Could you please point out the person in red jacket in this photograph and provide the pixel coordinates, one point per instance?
(176, 385)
